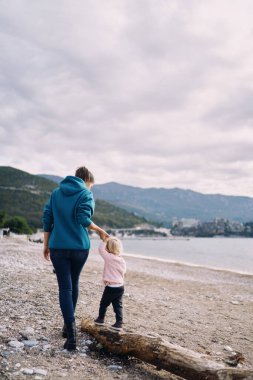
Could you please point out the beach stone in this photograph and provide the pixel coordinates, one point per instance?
(30, 343)
(5, 363)
(5, 354)
(16, 373)
(114, 367)
(39, 371)
(46, 347)
(17, 365)
(63, 351)
(88, 342)
(43, 337)
(228, 348)
(16, 344)
(27, 371)
(235, 302)
(99, 346)
(10, 338)
(28, 333)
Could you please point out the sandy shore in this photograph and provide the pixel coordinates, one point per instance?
(201, 309)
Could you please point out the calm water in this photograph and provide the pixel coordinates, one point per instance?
(234, 254)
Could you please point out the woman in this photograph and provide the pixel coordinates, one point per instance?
(66, 218)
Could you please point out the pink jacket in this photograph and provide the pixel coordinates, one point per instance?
(114, 266)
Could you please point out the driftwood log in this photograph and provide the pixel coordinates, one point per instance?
(171, 357)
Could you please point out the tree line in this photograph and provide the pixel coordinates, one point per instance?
(16, 224)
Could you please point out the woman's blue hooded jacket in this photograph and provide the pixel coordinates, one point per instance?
(67, 215)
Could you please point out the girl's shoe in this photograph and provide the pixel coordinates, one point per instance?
(117, 326)
(70, 343)
(99, 321)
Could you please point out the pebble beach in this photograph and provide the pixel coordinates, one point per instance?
(205, 310)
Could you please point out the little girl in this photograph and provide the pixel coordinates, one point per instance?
(113, 276)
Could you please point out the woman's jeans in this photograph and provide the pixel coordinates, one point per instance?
(68, 265)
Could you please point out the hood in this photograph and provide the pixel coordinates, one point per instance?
(72, 185)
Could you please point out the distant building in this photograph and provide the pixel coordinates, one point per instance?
(209, 229)
(144, 230)
(4, 232)
(163, 230)
(184, 223)
(235, 227)
(217, 227)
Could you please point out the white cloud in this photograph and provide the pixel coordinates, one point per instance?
(142, 92)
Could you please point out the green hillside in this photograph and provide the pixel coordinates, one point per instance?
(24, 194)
(11, 177)
(114, 217)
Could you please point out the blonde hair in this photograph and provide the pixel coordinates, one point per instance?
(114, 246)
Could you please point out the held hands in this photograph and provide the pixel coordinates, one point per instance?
(46, 253)
(103, 235)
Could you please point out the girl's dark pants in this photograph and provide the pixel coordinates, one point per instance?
(68, 265)
(114, 296)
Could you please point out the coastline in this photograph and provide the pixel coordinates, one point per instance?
(179, 263)
(233, 255)
(197, 308)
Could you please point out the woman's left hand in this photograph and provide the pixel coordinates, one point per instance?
(46, 253)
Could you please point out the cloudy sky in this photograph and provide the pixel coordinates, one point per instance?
(151, 93)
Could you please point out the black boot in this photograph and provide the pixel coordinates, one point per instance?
(64, 331)
(70, 343)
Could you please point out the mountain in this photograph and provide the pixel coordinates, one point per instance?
(55, 178)
(162, 205)
(24, 194)
(15, 178)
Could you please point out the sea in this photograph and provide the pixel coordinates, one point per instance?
(232, 254)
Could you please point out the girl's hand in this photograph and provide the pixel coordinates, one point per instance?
(103, 235)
